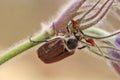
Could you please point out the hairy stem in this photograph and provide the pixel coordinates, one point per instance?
(19, 48)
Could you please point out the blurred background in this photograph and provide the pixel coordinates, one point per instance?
(20, 19)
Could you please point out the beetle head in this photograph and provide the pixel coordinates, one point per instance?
(71, 41)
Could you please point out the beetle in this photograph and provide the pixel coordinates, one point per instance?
(57, 48)
(60, 47)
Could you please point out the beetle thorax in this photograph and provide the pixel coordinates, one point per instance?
(71, 42)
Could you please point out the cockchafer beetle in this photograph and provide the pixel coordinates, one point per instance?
(58, 48)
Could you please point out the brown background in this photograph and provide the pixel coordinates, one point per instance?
(20, 19)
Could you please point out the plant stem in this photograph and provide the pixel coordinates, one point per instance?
(19, 48)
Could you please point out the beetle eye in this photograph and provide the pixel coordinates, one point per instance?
(72, 43)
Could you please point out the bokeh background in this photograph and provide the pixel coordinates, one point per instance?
(20, 19)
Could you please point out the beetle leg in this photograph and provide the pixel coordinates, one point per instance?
(67, 28)
(82, 47)
(87, 25)
(92, 43)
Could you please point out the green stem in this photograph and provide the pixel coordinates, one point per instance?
(19, 48)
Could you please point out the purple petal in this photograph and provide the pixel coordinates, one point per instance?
(116, 67)
(115, 54)
(117, 41)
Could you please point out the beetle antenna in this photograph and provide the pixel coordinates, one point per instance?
(67, 28)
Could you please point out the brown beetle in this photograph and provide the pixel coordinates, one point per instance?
(57, 49)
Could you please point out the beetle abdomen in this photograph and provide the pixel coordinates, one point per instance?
(53, 50)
